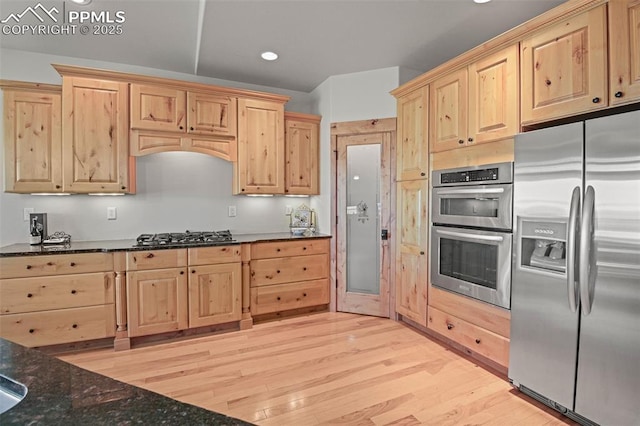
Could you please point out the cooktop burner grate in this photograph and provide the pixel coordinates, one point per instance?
(184, 238)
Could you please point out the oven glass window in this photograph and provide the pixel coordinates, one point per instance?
(475, 207)
(468, 261)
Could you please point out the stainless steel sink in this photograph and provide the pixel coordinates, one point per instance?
(11, 393)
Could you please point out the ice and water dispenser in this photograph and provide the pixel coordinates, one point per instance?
(543, 244)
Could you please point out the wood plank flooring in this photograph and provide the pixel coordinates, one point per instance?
(330, 368)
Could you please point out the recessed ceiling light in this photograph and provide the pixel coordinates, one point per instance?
(481, 1)
(269, 56)
(81, 1)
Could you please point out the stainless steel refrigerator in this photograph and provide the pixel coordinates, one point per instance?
(575, 300)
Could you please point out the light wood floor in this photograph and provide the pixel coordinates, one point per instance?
(329, 368)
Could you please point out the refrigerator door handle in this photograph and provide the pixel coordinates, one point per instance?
(584, 257)
(572, 236)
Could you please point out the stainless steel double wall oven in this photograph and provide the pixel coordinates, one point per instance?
(472, 214)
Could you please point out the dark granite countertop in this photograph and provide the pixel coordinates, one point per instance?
(129, 245)
(62, 394)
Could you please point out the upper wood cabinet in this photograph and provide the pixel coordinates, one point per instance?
(158, 108)
(302, 152)
(260, 167)
(476, 104)
(624, 51)
(564, 68)
(32, 138)
(210, 114)
(412, 151)
(95, 128)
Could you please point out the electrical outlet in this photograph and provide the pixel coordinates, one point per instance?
(112, 213)
(26, 212)
(288, 210)
(232, 211)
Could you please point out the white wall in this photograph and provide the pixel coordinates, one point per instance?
(176, 191)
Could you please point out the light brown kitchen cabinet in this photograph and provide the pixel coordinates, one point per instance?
(302, 153)
(413, 147)
(624, 51)
(288, 275)
(411, 258)
(32, 137)
(260, 165)
(95, 128)
(476, 104)
(210, 114)
(57, 299)
(158, 108)
(215, 285)
(564, 68)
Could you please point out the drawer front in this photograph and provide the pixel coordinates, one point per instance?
(289, 269)
(479, 340)
(282, 297)
(59, 326)
(38, 266)
(19, 295)
(289, 248)
(156, 259)
(213, 255)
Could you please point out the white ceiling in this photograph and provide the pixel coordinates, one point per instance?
(314, 38)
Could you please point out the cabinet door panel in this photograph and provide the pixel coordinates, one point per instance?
(95, 134)
(564, 68)
(212, 115)
(157, 108)
(215, 294)
(624, 48)
(413, 146)
(33, 144)
(157, 301)
(449, 105)
(493, 96)
(411, 270)
(302, 156)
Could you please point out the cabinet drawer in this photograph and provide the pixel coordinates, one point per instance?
(37, 266)
(20, 295)
(281, 297)
(479, 340)
(289, 269)
(156, 259)
(59, 326)
(289, 248)
(212, 255)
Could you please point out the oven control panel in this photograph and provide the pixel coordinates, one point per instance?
(486, 174)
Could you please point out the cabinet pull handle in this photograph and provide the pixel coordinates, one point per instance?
(73, 292)
(75, 326)
(278, 298)
(28, 266)
(618, 94)
(595, 100)
(304, 268)
(278, 271)
(304, 294)
(470, 139)
(449, 326)
(193, 271)
(423, 174)
(421, 252)
(460, 141)
(31, 330)
(57, 186)
(180, 127)
(478, 341)
(149, 256)
(278, 250)
(29, 295)
(72, 264)
(181, 272)
(190, 128)
(304, 248)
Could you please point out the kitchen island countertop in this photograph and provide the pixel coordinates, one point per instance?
(129, 245)
(60, 393)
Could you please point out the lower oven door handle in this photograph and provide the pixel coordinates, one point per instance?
(496, 238)
(470, 191)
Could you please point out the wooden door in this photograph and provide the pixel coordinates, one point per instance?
(413, 146)
(624, 51)
(363, 256)
(215, 294)
(95, 129)
(564, 68)
(158, 108)
(157, 301)
(260, 166)
(302, 154)
(212, 114)
(449, 106)
(33, 141)
(411, 253)
(494, 100)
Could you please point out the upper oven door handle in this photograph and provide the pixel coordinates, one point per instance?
(496, 238)
(470, 191)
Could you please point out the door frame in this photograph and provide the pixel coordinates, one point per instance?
(354, 128)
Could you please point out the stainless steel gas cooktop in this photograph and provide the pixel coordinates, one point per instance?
(188, 238)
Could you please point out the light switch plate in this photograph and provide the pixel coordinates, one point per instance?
(232, 211)
(112, 213)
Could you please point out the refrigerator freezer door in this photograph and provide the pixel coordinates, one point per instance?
(608, 382)
(544, 330)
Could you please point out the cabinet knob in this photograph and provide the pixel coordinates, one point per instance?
(181, 272)
(595, 100)
(180, 127)
(31, 330)
(478, 341)
(423, 174)
(278, 298)
(304, 248)
(278, 271)
(470, 139)
(618, 94)
(304, 294)
(72, 264)
(461, 141)
(242, 190)
(278, 250)
(73, 292)
(58, 187)
(28, 266)
(149, 256)
(193, 271)
(75, 326)
(449, 326)
(29, 295)
(421, 252)
(190, 128)
(123, 187)
(304, 268)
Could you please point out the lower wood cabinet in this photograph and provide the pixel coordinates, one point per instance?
(215, 294)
